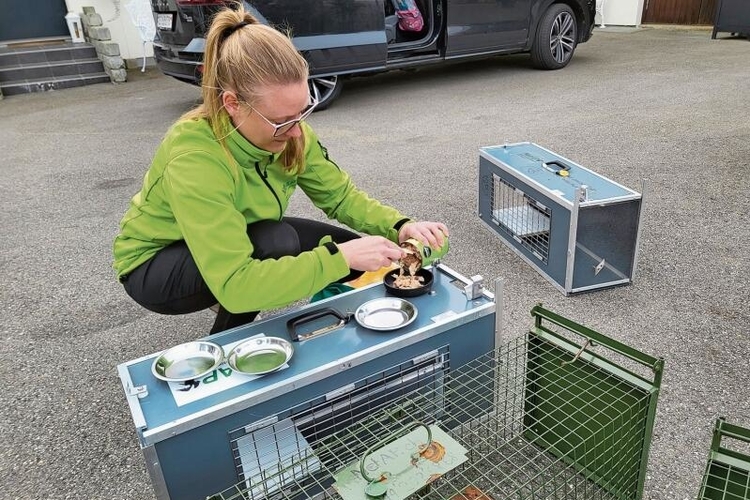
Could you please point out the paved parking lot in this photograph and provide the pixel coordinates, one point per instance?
(667, 106)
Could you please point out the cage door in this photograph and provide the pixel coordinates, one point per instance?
(522, 217)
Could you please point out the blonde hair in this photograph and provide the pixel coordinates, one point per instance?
(244, 56)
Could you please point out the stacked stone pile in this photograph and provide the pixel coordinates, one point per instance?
(107, 50)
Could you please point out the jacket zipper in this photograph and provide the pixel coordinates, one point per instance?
(264, 175)
(325, 155)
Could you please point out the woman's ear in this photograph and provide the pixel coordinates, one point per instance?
(231, 103)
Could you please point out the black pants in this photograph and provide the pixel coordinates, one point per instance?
(170, 283)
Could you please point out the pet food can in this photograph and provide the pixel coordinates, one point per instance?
(426, 253)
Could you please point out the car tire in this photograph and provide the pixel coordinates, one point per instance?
(325, 89)
(556, 38)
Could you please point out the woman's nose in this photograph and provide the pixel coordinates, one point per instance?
(295, 131)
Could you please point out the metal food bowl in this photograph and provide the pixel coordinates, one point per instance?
(258, 356)
(385, 314)
(187, 361)
(390, 278)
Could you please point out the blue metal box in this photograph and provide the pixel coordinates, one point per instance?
(579, 229)
(203, 436)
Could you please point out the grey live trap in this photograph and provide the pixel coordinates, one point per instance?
(200, 437)
(579, 229)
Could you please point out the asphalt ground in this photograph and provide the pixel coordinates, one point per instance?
(668, 106)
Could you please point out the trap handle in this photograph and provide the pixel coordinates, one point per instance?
(294, 323)
(388, 440)
(593, 337)
(557, 167)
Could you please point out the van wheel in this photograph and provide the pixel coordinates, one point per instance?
(325, 89)
(556, 38)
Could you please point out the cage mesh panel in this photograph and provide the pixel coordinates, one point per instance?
(268, 456)
(522, 217)
(725, 482)
(579, 413)
(727, 475)
(536, 426)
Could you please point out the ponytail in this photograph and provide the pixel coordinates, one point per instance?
(243, 55)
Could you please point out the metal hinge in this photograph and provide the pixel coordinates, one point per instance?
(140, 391)
(261, 423)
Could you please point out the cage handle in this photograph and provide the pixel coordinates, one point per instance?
(557, 167)
(593, 337)
(388, 440)
(578, 354)
(298, 321)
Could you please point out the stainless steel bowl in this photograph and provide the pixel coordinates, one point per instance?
(261, 355)
(386, 314)
(187, 361)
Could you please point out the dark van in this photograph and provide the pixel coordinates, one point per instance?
(343, 38)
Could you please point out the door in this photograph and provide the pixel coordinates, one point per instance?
(679, 11)
(475, 26)
(335, 36)
(25, 19)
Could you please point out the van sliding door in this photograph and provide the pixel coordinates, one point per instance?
(476, 26)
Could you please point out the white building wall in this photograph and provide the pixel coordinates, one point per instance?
(622, 12)
(117, 18)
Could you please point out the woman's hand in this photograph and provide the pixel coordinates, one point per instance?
(370, 253)
(429, 233)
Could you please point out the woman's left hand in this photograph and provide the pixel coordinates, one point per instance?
(429, 233)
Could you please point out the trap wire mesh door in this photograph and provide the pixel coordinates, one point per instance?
(541, 417)
(521, 217)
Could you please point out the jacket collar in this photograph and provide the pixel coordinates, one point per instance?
(246, 153)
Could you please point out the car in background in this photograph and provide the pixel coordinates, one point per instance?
(344, 38)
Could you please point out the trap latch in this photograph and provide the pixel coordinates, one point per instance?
(474, 289)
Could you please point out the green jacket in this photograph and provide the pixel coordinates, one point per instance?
(193, 192)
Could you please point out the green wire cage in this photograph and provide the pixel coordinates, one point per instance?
(562, 412)
(727, 475)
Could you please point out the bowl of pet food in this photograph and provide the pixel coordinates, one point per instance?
(401, 283)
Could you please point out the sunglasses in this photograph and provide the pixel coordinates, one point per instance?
(283, 128)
